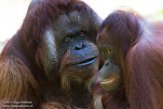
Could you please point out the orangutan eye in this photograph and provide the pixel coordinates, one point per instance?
(68, 39)
(82, 34)
(109, 52)
(106, 53)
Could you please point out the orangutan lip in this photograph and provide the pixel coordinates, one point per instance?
(107, 81)
(86, 62)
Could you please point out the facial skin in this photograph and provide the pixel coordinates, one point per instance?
(108, 78)
(109, 75)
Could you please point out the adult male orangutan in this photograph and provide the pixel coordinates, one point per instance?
(49, 62)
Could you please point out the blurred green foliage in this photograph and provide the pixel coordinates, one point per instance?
(158, 15)
(161, 12)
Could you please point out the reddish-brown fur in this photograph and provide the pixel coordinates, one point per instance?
(138, 48)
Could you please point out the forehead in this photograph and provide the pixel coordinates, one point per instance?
(103, 37)
(73, 21)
